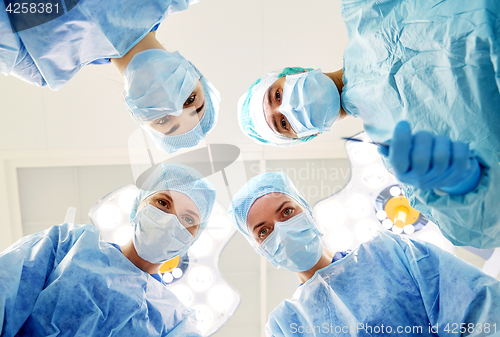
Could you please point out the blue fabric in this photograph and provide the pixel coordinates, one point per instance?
(340, 255)
(65, 281)
(171, 144)
(310, 101)
(157, 83)
(294, 244)
(471, 180)
(106, 61)
(435, 64)
(257, 187)
(159, 236)
(251, 113)
(395, 282)
(183, 179)
(155, 276)
(92, 30)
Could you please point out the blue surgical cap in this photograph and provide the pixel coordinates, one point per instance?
(251, 111)
(183, 179)
(171, 144)
(258, 186)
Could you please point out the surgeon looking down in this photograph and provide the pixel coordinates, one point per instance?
(164, 92)
(65, 281)
(389, 281)
(434, 64)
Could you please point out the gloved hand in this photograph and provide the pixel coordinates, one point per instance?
(432, 162)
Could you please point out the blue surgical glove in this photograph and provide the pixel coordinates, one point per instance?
(432, 162)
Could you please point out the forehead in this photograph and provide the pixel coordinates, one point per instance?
(267, 203)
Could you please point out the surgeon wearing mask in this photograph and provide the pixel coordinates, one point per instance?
(389, 281)
(164, 92)
(431, 93)
(66, 281)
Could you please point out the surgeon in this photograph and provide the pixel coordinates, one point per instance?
(164, 92)
(388, 285)
(434, 64)
(65, 281)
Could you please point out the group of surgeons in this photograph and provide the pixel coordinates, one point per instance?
(424, 76)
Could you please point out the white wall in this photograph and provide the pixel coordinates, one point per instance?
(71, 145)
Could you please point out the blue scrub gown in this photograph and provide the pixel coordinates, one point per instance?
(392, 286)
(92, 32)
(435, 63)
(66, 282)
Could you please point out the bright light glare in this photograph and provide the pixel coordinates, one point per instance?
(409, 229)
(432, 237)
(395, 191)
(387, 224)
(177, 272)
(183, 293)
(381, 215)
(340, 239)
(202, 246)
(205, 318)
(365, 230)
(219, 226)
(109, 216)
(123, 235)
(200, 278)
(220, 297)
(127, 199)
(358, 206)
(364, 153)
(374, 176)
(168, 277)
(329, 214)
(397, 230)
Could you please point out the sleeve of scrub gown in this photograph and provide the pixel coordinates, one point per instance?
(10, 43)
(472, 219)
(24, 268)
(453, 291)
(186, 328)
(180, 5)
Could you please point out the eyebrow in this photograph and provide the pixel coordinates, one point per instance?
(275, 125)
(197, 111)
(193, 213)
(269, 97)
(264, 222)
(281, 206)
(172, 130)
(258, 225)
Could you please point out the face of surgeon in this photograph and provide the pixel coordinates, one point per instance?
(274, 118)
(193, 111)
(267, 211)
(179, 204)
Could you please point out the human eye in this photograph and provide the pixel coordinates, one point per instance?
(190, 100)
(263, 232)
(164, 203)
(188, 220)
(163, 120)
(284, 122)
(287, 211)
(277, 95)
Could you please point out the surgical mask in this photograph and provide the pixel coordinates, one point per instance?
(157, 83)
(159, 236)
(191, 138)
(294, 244)
(311, 102)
